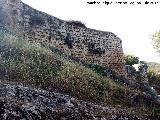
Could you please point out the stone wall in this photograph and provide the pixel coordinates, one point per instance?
(89, 45)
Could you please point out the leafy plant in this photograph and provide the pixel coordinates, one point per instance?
(97, 68)
(156, 41)
(131, 59)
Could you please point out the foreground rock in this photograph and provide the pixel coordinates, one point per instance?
(24, 103)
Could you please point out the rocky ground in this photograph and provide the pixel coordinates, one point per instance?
(25, 103)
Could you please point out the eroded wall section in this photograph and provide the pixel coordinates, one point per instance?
(89, 45)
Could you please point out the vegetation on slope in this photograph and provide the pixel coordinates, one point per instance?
(154, 75)
(156, 41)
(154, 67)
(131, 59)
(37, 65)
(21, 60)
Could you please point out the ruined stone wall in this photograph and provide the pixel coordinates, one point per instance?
(92, 46)
(98, 47)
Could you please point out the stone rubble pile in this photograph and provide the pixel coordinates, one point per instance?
(25, 103)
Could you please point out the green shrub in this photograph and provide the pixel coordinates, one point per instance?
(97, 68)
(153, 73)
(131, 59)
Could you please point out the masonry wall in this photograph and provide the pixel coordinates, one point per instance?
(89, 45)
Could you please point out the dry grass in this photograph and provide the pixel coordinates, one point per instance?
(33, 64)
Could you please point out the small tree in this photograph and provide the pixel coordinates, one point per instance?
(156, 41)
(131, 59)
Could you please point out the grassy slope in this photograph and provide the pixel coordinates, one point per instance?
(33, 64)
(154, 75)
(154, 67)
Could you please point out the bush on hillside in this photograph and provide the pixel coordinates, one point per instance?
(131, 59)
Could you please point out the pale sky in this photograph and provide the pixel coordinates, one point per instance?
(134, 24)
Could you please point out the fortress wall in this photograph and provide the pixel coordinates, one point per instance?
(89, 45)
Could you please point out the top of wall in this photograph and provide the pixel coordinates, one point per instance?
(20, 5)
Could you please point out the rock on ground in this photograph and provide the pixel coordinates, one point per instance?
(25, 103)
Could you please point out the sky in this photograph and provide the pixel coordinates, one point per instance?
(133, 23)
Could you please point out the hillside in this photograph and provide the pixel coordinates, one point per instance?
(154, 75)
(39, 66)
(56, 69)
(72, 37)
(18, 102)
(154, 67)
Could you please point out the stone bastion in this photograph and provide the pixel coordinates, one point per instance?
(72, 37)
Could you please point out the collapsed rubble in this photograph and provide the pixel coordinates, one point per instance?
(25, 103)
